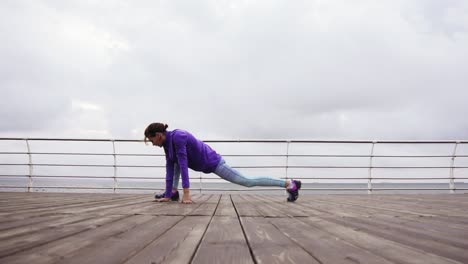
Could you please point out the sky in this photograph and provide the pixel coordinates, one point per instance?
(336, 69)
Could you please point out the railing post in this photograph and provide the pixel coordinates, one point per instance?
(287, 158)
(369, 181)
(115, 166)
(200, 175)
(452, 170)
(30, 183)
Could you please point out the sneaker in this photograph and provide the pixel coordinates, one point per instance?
(294, 191)
(159, 196)
(174, 197)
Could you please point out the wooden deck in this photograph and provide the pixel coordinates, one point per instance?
(105, 228)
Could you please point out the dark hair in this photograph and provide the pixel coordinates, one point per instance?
(154, 128)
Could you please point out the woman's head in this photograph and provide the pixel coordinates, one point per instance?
(156, 133)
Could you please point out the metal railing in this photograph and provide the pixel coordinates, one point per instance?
(451, 176)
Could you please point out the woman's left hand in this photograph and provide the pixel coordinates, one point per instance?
(186, 199)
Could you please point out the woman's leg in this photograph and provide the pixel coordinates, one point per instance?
(226, 172)
(175, 184)
(176, 178)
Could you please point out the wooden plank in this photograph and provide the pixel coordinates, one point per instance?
(422, 226)
(453, 207)
(61, 245)
(89, 208)
(265, 207)
(344, 208)
(296, 209)
(23, 242)
(277, 206)
(412, 201)
(224, 242)
(207, 208)
(418, 232)
(117, 207)
(386, 207)
(447, 247)
(29, 221)
(173, 208)
(271, 246)
(45, 225)
(417, 210)
(244, 209)
(213, 198)
(203, 210)
(177, 245)
(225, 207)
(128, 209)
(64, 202)
(325, 247)
(26, 199)
(387, 249)
(446, 199)
(65, 208)
(360, 228)
(119, 247)
(438, 200)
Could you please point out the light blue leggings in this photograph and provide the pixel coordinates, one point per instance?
(176, 178)
(229, 174)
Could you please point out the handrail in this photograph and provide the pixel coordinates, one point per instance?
(242, 155)
(255, 140)
(240, 167)
(451, 177)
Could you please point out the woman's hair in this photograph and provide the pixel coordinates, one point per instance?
(154, 128)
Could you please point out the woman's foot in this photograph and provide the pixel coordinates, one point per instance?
(159, 196)
(174, 196)
(293, 190)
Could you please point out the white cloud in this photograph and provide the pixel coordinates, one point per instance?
(233, 69)
(85, 106)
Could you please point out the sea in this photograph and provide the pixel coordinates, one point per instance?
(78, 186)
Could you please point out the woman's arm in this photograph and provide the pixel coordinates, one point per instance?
(169, 178)
(169, 181)
(180, 142)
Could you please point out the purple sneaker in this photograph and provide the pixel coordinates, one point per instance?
(159, 196)
(294, 191)
(174, 196)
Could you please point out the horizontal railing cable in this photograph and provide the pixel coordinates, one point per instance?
(118, 164)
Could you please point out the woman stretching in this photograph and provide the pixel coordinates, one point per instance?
(184, 151)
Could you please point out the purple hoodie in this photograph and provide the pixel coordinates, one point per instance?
(189, 152)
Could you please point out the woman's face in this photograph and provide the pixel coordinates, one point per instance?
(157, 140)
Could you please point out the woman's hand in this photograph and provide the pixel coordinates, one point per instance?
(186, 198)
(161, 200)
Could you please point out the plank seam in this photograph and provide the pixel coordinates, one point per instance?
(204, 232)
(243, 232)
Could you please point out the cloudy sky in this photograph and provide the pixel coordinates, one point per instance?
(315, 69)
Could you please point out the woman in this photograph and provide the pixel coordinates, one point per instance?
(184, 151)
